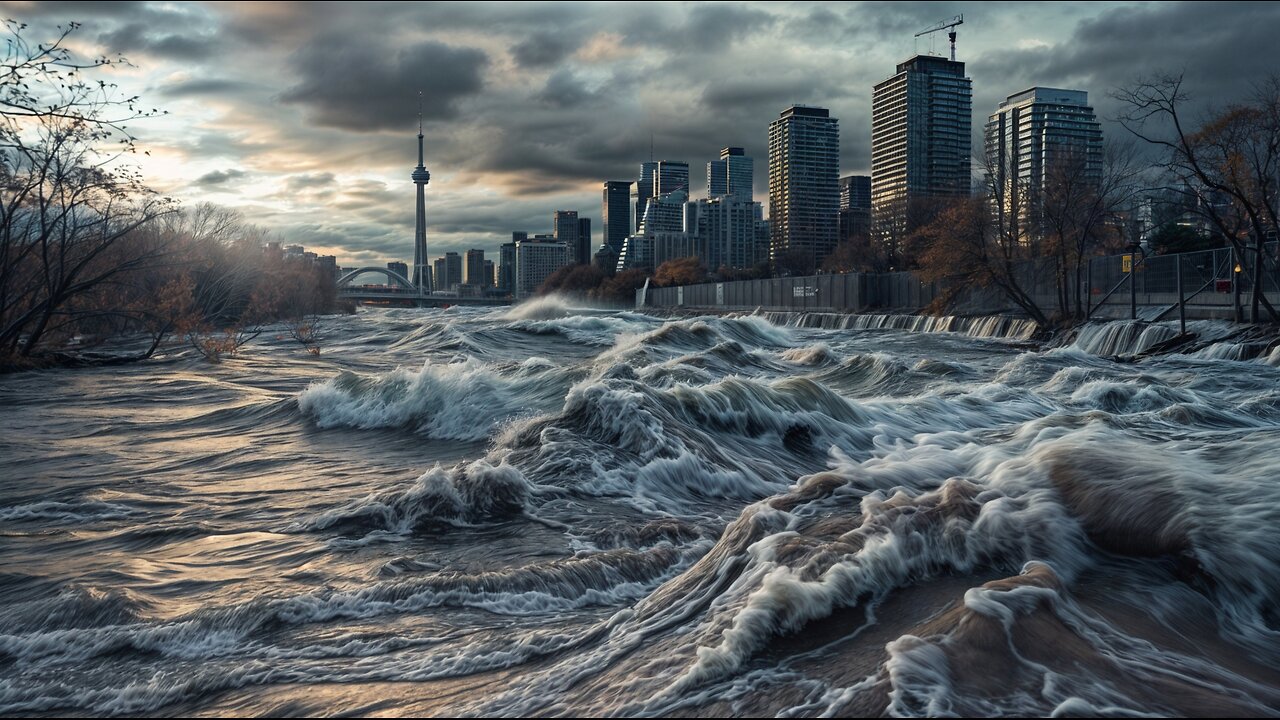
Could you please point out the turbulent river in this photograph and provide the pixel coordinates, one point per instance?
(557, 511)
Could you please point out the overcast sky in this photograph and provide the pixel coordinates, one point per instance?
(304, 115)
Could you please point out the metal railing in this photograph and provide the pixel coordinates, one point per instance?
(1221, 277)
(1207, 280)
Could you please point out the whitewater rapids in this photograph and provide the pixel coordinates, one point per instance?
(551, 510)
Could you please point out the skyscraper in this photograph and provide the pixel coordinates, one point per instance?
(855, 192)
(1032, 135)
(566, 229)
(732, 174)
(725, 228)
(473, 268)
(421, 272)
(855, 207)
(582, 254)
(507, 265)
(669, 176)
(448, 271)
(665, 212)
(616, 211)
(804, 162)
(440, 274)
(921, 120)
(717, 178)
(643, 190)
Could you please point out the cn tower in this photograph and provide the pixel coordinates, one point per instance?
(421, 266)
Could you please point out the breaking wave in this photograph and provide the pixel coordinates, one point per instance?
(563, 511)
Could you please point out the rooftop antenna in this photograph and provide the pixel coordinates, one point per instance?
(651, 144)
(950, 27)
(419, 113)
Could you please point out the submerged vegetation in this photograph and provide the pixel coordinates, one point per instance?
(89, 254)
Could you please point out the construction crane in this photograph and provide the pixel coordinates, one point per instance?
(949, 25)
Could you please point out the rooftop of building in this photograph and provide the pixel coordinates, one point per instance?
(1048, 95)
(806, 111)
(932, 63)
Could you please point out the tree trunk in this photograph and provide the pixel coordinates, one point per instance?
(1254, 311)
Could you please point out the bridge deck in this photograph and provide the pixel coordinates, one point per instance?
(419, 299)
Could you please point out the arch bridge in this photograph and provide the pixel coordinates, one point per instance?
(399, 291)
(395, 277)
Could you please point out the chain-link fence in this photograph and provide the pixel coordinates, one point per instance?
(1214, 283)
(1222, 278)
(853, 292)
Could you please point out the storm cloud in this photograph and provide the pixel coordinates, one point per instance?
(350, 84)
(309, 111)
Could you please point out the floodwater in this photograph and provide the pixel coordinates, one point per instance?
(557, 511)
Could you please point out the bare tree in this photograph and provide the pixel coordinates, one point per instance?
(968, 245)
(1235, 154)
(72, 216)
(1074, 210)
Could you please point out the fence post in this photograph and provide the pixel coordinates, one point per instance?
(1133, 288)
(1088, 290)
(1238, 313)
(1182, 306)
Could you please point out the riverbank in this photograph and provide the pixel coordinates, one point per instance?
(137, 347)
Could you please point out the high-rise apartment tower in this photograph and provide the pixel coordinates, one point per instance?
(804, 193)
(921, 125)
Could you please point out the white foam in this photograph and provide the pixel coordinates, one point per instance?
(458, 401)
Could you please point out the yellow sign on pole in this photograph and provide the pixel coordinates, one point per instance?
(1126, 263)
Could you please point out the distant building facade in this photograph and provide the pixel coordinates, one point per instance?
(448, 271)
(855, 207)
(507, 267)
(643, 191)
(1032, 135)
(565, 229)
(616, 212)
(473, 268)
(670, 176)
(721, 231)
(732, 174)
(536, 259)
(728, 231)
(398, 267)
(439, 273)
(664, 214)
(804, 162)
(582, 254)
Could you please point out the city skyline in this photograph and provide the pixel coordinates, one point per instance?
(521, 121)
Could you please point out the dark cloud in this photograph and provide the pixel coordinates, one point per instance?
(704, 28)
(218, 179)
(69, 10)
(208, 86)
(140, 36)
(565, 90)
(350, 83)
(544, 49)
(530, 106)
